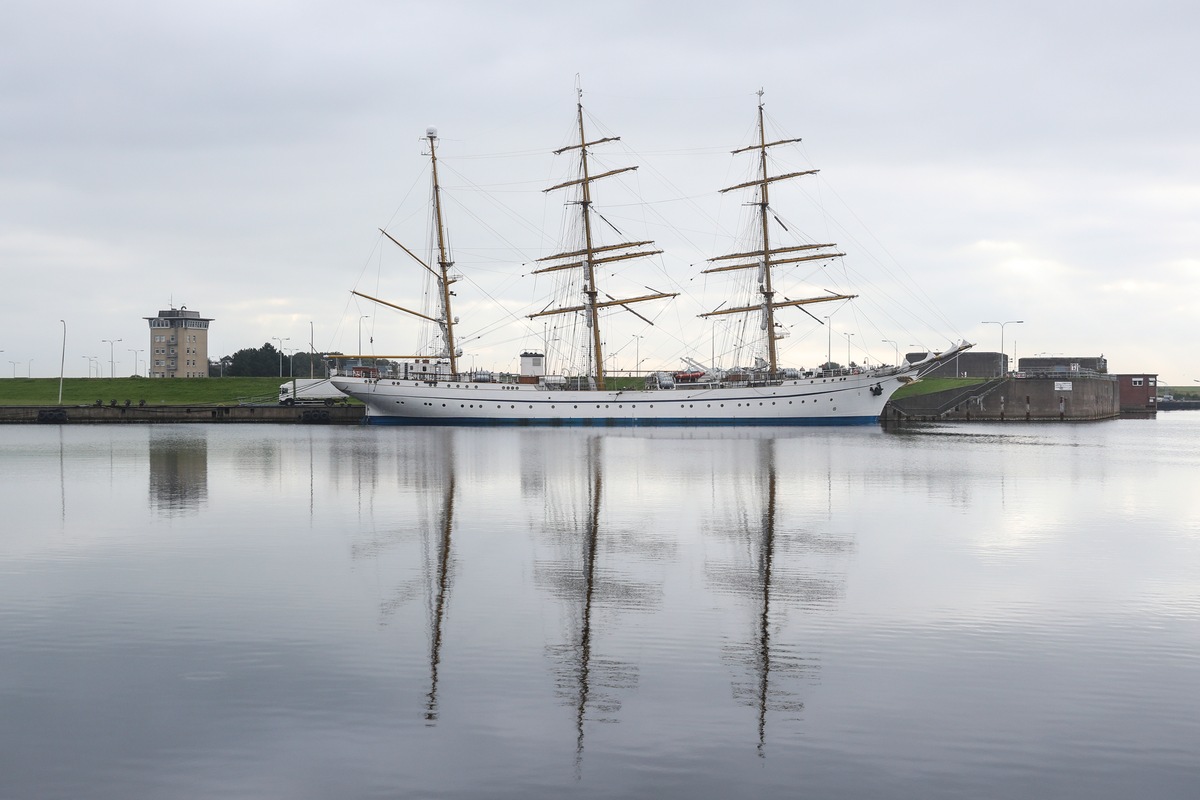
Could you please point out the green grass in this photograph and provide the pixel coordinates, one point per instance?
(1181, 392)
(931, 385)
(156, 392)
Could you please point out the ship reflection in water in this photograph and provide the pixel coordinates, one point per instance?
(601, 554)
(302, 611)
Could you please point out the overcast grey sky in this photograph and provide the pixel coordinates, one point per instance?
(1033, 161)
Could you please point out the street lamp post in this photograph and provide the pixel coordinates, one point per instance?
(62, 361)
(896, 346)
(29, 369)
(637, 351)
(112, 363)
(136, 353)
(828, 344)
(281, 341)
(848, 335)
(1002, 324)
(14, 368)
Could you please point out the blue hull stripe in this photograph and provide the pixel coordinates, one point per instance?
(622, 422)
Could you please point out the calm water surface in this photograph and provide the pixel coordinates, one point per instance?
(1004, 611)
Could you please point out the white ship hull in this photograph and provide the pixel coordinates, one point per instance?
(854, 399)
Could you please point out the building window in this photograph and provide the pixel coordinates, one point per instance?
(1137, 381)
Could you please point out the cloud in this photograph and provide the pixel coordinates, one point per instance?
(238, 157)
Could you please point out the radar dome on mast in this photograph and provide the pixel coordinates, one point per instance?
(431, 132)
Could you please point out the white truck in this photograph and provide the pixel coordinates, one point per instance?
(310, 392)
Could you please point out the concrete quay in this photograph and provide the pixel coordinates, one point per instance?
(303, 415)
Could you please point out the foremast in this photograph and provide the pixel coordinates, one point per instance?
(443, 276)
(592, 256)
(765, 257)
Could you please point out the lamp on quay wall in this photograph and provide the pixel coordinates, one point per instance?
(281, 341)
(1002, 324)
(62, 361)
(112, 364)
(895, 345)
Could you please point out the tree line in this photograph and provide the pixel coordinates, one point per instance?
(268, 361)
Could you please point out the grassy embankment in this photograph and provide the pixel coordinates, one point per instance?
(1181, 392)
(156, 392)
(931, 385)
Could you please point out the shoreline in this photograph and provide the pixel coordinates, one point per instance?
(160, 414)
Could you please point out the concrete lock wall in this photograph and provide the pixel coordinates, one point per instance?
(1016, 399)
(1041, 398)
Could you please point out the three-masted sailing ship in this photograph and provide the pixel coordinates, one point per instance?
(431, 388)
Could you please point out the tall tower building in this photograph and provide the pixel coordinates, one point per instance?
(178, 344)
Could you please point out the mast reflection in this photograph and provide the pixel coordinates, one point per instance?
(770, 666)
(585, 681)
(426, 474)
(440, 574)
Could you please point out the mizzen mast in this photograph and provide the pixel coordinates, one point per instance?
(444, 262)
(592, 255)
(765, 257)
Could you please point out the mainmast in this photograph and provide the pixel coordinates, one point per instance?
(765, 257)
(592, 256)
(443, 275)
